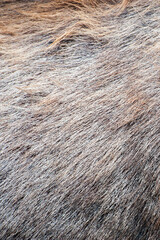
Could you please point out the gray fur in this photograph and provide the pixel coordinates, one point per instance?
(79, 121)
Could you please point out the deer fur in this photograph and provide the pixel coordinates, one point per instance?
(79, 120)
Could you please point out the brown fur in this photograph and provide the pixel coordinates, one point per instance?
(79, 120)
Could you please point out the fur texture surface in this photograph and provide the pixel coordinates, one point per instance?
(79, 120)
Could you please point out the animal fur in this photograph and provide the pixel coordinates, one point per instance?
(79, 120)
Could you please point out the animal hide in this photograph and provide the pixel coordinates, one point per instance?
(79, 120)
